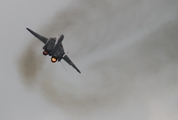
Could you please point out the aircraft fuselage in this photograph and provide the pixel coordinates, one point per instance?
(54, 48)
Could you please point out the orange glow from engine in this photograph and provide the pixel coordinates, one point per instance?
(53, 59)
(45, 52)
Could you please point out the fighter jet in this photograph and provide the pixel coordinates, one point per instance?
(53, 47)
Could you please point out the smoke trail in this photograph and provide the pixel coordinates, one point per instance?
(30, 63)
(74, 94)
(123, 50)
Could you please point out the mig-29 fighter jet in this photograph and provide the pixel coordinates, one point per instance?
(53, 47)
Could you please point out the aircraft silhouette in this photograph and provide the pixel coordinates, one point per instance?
(53, 47)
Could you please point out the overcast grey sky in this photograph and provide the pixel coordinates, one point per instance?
(125, 49)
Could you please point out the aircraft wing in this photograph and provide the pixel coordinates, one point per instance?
(67, 59)
(40, 37)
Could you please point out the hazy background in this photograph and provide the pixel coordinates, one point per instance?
(125, 49)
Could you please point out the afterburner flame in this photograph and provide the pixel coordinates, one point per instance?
(53, 59)
(45, 53)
